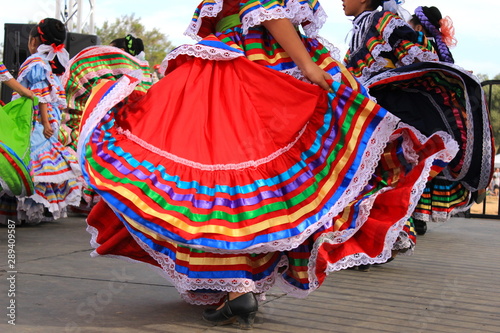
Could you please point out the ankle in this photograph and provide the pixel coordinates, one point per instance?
(232, 295)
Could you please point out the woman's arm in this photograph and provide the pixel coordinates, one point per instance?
(47, 129)
(19, 88)
(285, 34)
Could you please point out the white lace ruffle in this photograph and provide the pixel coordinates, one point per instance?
(186, 285)
(31, 208)
(210, 167)
(199, 51)
(4, 189)
(334, 51)
(394, 232)
(374, 150)
(416, 53)
(206, 11)
(54, 97)
(5, 77)
(404, 244)
(293, 11)
(486, 135)
(96, 51)
(439, 217)
(380, 62)
(121, 89)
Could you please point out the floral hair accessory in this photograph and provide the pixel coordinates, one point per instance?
(448, 31)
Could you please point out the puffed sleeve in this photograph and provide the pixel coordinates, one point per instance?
(4, 73)
(404, 41)
(204, 19)
(307, 13)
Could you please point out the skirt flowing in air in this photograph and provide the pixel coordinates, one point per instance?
(229, 176)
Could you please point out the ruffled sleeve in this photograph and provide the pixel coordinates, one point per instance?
(4, 73)
(403, 40)
(204, 19)
(307, 13)
(36, 75)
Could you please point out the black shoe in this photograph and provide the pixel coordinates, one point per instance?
(242, 308)
(420, 226)
(364, 268)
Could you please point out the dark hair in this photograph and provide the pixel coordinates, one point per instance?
(432, 14)
(429, 18)
(130, 44)
(51, 32)
(374, 4)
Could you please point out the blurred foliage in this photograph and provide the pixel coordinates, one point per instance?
(156, 44)
(493, 100)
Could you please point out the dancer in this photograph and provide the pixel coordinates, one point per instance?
(54, 169)
(438, 31)
(231, 177)
(440, 196)
(85, 71)
(402, 72)
(15, 124)
(130, 44)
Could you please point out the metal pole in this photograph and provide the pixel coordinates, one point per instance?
(58, 9)
(79, 11)
(71, 25)
(91, 18)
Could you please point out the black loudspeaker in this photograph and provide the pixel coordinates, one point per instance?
(15, 51)
(76, 42)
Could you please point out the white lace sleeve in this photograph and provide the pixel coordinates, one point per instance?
(298, 12)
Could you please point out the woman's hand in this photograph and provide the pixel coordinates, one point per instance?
(26, 93)
(316, 75)
(48, 131)
(20, 89)
(286, 35)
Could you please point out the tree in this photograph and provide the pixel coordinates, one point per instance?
(156, 44)
(494, 108)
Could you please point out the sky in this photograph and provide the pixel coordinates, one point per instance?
(476, 23)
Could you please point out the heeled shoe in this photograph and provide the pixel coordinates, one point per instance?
(242, 308)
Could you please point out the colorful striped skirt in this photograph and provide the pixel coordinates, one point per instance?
(435, 96)
(229, 176)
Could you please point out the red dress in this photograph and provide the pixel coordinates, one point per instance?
(226, 171)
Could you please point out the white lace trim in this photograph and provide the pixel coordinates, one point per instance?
(5, 189)
(5, 77)
(297, 73)
(211, 167)
(468, 153)
(371, 156)
(393, 233)
(186, 285)
(53, 97)
(404, 244)
(206, 11)
(121, 89)
(199, 51)
(380, 62)
(31, 208)
(293, 11)
(334, 51)
(416, 53)
(93, 51)
(440, 217)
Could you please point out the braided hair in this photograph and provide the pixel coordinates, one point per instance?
(431, 20)
(51, 32)
(130, 44)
